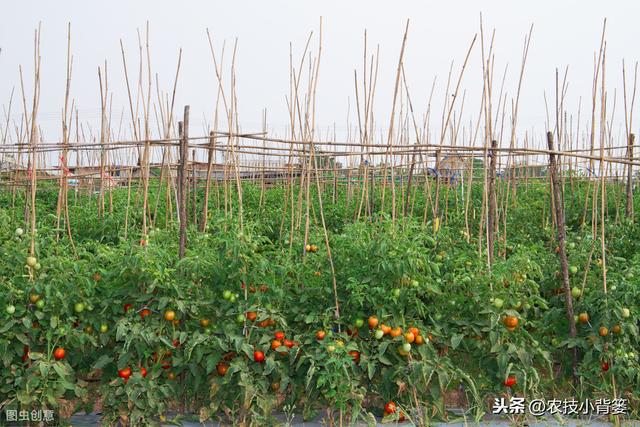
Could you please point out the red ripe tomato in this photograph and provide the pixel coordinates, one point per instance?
(279, 335)
(125, 373)
(355, 355)
(59, 353)
(127, 306)
(604, 366)
(275, 344)
(171, 376)
(390, 408)
(176, 343)
(143, 372)
(222, 368)
(258, 356)
(288, 343)
(251, 315)
(353, 333)
(144, 313)
(166, 364)
(510, 381)
(320, 335)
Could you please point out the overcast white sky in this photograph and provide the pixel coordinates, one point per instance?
(566, 33)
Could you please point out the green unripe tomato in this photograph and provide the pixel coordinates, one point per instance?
(379, 334)
(78, 307)
(40, 304)
(359, 323)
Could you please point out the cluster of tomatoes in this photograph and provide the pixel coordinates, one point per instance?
(126, 373)
(280, 340)
(411, 336)
(390, 408)
(311, 248)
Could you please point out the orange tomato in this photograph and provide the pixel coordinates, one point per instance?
(373, 322)
(409, 337)
(510, 321)
(396, 332)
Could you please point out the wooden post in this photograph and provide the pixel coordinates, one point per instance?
(183, 128)
(491, 215)
(629, 210)
(561, 235)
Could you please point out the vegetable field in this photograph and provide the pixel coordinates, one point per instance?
(412, 277)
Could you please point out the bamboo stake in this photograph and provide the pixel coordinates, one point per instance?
(182, 182)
